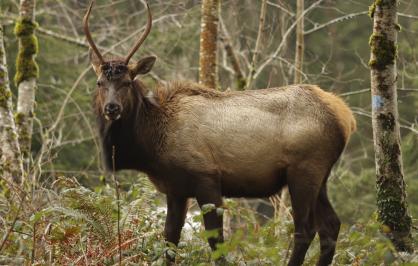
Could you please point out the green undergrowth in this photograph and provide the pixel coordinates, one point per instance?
(77, 225)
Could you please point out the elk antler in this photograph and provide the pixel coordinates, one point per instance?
(143, 36)
(88, 35)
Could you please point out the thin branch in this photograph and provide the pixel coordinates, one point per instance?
(354, 92)
(258, 43)
(285, 36)
(233, 58)
(281, 8)
(407, 15)
(62, 37)
(67, 99)
(333, 21)
(300, 43)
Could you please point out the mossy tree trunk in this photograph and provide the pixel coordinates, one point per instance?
(208, 72)
(10, 158)
(391, 196)
(26, 74)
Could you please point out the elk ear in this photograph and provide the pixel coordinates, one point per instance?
(95, 62)
(143, 66)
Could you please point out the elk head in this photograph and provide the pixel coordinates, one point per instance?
(115, 78)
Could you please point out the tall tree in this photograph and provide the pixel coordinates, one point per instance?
(26, 73)
(391, 195)
(10, 158)
(208, 72)
(300, 42)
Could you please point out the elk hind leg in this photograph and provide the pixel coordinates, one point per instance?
(304, 184)
(328, 226)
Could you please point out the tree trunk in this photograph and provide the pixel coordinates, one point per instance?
(258, 42)
(208, 72)
(300, 43)
(10, 158)
(391, 195)
(26, 74)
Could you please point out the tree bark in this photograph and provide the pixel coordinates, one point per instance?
(26, 74)
(208, 72)
(300, 43)
(258, 43)
(10, 158)
(391, 195)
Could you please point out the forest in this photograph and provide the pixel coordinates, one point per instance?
(65, 200)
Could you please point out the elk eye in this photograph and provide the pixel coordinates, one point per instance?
(99, 83)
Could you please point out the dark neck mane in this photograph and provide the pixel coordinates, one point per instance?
(132, 136)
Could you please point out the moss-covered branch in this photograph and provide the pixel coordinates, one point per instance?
(10, 158)
(26, 66)
(27, 72)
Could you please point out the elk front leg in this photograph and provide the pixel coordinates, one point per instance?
(210, 193)
(176, 214)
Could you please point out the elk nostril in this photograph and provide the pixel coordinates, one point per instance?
(112, 108)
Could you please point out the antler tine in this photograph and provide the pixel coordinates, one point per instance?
(143, 36)
(88, 35)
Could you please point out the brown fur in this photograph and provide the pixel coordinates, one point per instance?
(340, 109)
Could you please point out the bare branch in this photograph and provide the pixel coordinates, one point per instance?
(333, 21)
(285, 36)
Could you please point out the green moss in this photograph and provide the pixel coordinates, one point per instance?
(26, 66)
(4, 95)
(241, 84)
(381, 4)
(385, 51)
(19, 118)
(24, 136)
(372, 9)
(391, 203)
(387, 121)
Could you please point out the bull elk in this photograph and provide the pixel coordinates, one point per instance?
(197, 142)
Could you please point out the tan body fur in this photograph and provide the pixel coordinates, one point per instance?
(248, 138)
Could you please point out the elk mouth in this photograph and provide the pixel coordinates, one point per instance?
(112, 117)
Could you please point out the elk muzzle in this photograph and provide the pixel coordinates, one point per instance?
(112, 111)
